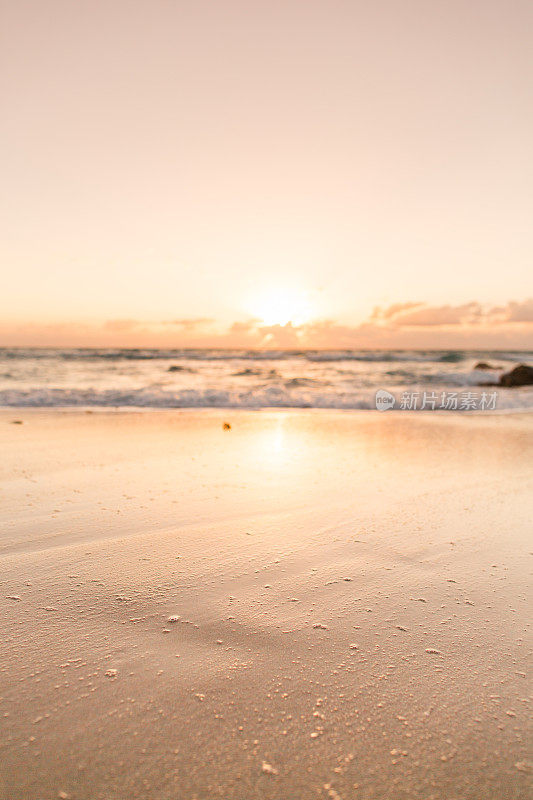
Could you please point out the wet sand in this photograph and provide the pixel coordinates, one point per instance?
(309, 605)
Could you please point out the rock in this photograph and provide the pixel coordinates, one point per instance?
(484, 365)
(522, 375)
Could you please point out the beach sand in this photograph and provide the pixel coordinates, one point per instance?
(312, 604)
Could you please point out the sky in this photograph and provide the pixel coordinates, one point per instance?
(249, 172)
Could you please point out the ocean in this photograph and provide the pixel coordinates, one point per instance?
(344, 379)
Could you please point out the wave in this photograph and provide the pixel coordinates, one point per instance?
(279, 396)
(182, 378)
(311, 382)
(264, 397)
(409, 377)
(184, 354)
(249, 372)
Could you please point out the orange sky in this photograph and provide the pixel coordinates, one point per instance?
(308, 162)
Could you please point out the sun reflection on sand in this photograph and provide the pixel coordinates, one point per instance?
(279, 445)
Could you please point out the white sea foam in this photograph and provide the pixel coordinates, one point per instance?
(244, 379)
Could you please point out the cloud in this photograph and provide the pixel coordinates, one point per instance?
(420, 325)
(520, 312)
(189, 323)
(282, 336)
(407, 325)
(465, 314)
(473, 313)
(393, 310)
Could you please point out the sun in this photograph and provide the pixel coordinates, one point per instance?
(281, 305)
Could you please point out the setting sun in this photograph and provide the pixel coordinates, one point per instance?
(278, 306)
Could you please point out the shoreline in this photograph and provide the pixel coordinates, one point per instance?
(394, 412)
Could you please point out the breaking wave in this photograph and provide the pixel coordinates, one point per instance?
(262, 397)
(343, 379)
